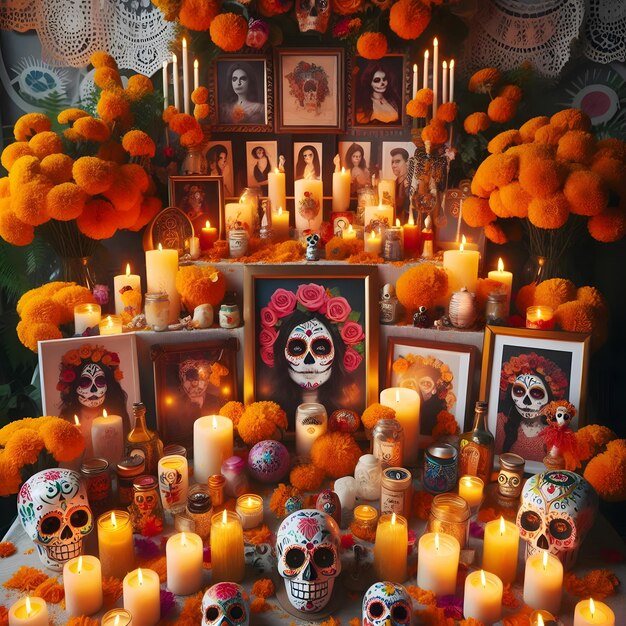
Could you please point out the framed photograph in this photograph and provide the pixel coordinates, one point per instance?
(261, 159)
(395, 162)
(200, 198)
(441, 373)
(522, 371)
(83, 376)
(379, 92)
(219, 159)
(356, 157)
(308, 159)
(309, 90)
(311, 335)
(192, 380)
(240, 93)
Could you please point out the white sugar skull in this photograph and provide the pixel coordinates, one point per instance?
(388, 292)
(529, 394)
(387, 604)
(225, 604)
(558, 508)
(307, 549)
(92, 386)
(313, 15)
(310, 353)
(53, 509)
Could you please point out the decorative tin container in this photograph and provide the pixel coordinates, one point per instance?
(396, 491)
(440, 468)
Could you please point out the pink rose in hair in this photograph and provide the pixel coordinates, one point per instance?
(268, 317)
(351, 360)
(338, 309)
(267, 337)
(267, 355)
(313, 297)
(282, 302)
(352, 333)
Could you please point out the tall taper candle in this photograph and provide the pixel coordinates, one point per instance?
(451, 80)
(425, 77)
(435, 75)
(166, 86)
(175, 81)
(414, 80)
(186, 98)
(196, 74)
(444, 82)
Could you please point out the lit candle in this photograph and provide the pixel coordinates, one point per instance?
(207, 236)
(166, 86)
(194, 247)
(414, 80)
(175, 81)
(82, 581)
(540, 317)
(308, 202)
(444, 82)
(483, 597)
(591, 612)
(117, 617)
(186, 99)
(239, 212)
(500, 549)
(435, 75)
(539, 618)
(373, 243)
(406, 403)
(196, 74)
(280, 224)
(341, 190)
(161, 270)
(543, 582)
(276, 189)
(124, 280)
(142, 596)
(183, 554)
(348, 233)
(471, 490)
(425, 77)
(107, 437)
(111, 325)
(227, 560)
(387, 192)
(115, 544)
(173, 473)
(212, 445)
(410, 236)
(462, 268)
(249, 507)
(85, 316)
(29, 611)
(437, 563)
(311, 424)
(381, 215)
(505, 278)
(451, 80)
(390, 548)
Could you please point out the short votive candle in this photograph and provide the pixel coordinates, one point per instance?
(540, 317)
(591, 612)
(86, 316)
(29, 611)
(249, 507)
(116, 617)
(110, 325)
(471, 490)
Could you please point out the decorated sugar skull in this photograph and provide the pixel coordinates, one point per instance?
(313, 15)
(558, 508)
(53, 509)
(328, 502)
(387, 604)
(225, 604)
(307, 549)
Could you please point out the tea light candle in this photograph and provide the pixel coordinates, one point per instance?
(212, 445)
(462, 268)
(373, 243)
(161, 270)
(183, 554)
(227, 560)
(82, 581)
(386, 193)
(111, 325)
(249, 507)
(141, 590)
(194, 247)
(308, 202)
(29, 612)
(115, 543)
(406, 403)
(390, 548)
(348, 233)
(276, 189)
(381, 215)
(116, 617)
(471, 490)
(437, 563)
(483, 597)
(540, 317)
(208, 236)
(86, 316)
(543, 582)
(542, 618)
(500, 549)
(123, 280)
(107, 437)
(505, 278)
(588, 612)
(341, 190)
(280, 224)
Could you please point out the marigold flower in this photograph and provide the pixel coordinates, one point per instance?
(514, 201)
(12, 229)
(200, 285)
(447, 112)
(416, 108)
(307, 477)
(100, 58)
(233, 410)
(592, 297)
(607, 472)
(24, 447)
(372, 45)
(7, 548)
(200, 95)
(260, 420)
(495, 233)
(113, 106)
(40, 309)
(501, 110)
(375, 412)
(30, 333)
(28, 202)
(421, 285)
(476, 123)
(150, 206)
(57, 167)
(93, 175)
(137, 143)
(45, 143)
(201, 111)
(554, 292)
(5, 191)
(347, 7)
(476, 212)
(228, 31)
(169, 8)
(576, 145)
(46, 290)
(30, 124)
(70, 296)
(512, 92)
(483, 81)
(25, 169)
(496, 170)
(409, 18)
(138, 86)
(270, 8)
(435, 132)
(612, 171)
(168, 114)
(540, 178)
(98, 219)
(586, 193)
(63, 439)
(67, 116)
(425, 95)
(13, 152)
(136, 175)
(263, 588)
(112, 151)
(528, 129)
(192, 137)
(610, 147)
(549, 212)
(571, 119)
(182, 122)
(127, 216)
(198, 14)
(608, 226)
(336, 453)
(549, 134)
(503, 141)
(574, 317)
(92, 129)
(107, 78)
(279, 497)
(65, 202)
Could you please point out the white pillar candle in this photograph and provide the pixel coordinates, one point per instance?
(406, 403)
(415, 85)
(390, 548)
(438, 563)
(166, 86)
(107, 438)
(435, 75)
(543, 582)
(311, 423)
(111, 325)
(123, 280)
(373, 242)
(196, 74)
(212, 445)
(309, 203)
(186, 98)
(175, 82)
(341, 190)
(471, 490)
(387, 192)
(85, 316)
(142, 596)
(500, 549)
(115, 543)
(276, 190)
(345, 488)
(29, 611)
(348, 233)
(161, 270)
(483, 597)
(444, 82)
(227, 559)
(249, 507)
(425, 77)
(183, 554)
(451, 81)
(381, 215)
(173, 473)
(462, 268)
(82, 581)
(239, 212)
(506, 278)
(591, 612)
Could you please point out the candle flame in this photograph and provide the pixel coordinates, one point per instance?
(183, 539)
(468, 481)
(415, 67)
(445, 65)
(343, 170)
(545, 559)
(397, 222)
(463, 242)
(397, 395)
(160, 247)
(502, 526)
(393, 519)
(174, 58)
(139, 576)
(113, 520)
(592, 607)
(117, 620)
(451, 63)
(249, 501)
(224, 517)
(540, 620)
(500, 265)
(29, 609)
(350, 229)
(195, 64)
(280, 210)
(483, 580)
(411, 221)
(426, 54)
(104, 411)
(127, 269)
(373, 235)
(208, 224)
(80, 564)
(76, 420)
(436, 541)
(435, 42)
(276, 170)
(184, 43)
(215, 421)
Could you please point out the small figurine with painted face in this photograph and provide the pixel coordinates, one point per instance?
(387, 604)
(146, 512)
(558, 436)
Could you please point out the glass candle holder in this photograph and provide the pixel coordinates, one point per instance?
(157, 310)
(540, 317)
(115, 543)
(249, 507)
(450, 514)
(471, 490)
(173, 482)
(117, 617)
(311, 423)
(110, 325)
(363, 526)
(86, 316)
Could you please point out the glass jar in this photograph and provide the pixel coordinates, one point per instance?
(200, 510)
(368, 476)
(157, 310)
(396, 491)
(364, 522)
(388, 442)
(237, 243)
(127, 470)
(234, 471)
(496, 310)
(450, 514)
(146, 512)
(440, 468)
(97, 479)
(511, 476)
(392, 250)
(229, 316)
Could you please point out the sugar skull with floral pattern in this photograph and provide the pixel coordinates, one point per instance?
(387, 604)
(225, 604)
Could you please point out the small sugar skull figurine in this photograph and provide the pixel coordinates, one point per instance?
(313, 15)
(328, 501)
(387, 604)
(53, 509)
(420, 318)
(225, 604)
(312, 251)
(307, 549)
(558, 508)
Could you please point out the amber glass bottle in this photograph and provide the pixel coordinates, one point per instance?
(477, 446)
(144, 442)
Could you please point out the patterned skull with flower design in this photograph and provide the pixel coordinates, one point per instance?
(387, 604)
(307, 548)
(225, 604)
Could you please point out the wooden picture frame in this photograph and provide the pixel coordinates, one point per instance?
(192, 379)
(557, 362)
(309, 90)
(279, 299)
(200, 198)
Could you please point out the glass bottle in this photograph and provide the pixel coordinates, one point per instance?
(496, 309)
(477, 446)
(144, 442)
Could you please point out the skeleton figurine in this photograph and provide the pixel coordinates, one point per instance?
(53, 509)
(389, 305)
(558, 436)
(307, 549)
(225, 604)
(312, 250)
(313, 15)
(387, 604)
